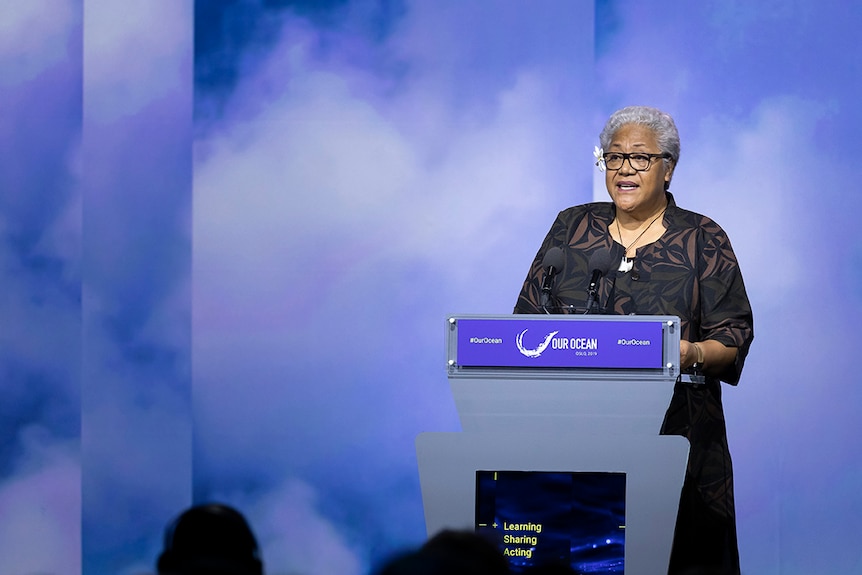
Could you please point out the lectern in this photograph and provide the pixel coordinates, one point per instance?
(560, 455)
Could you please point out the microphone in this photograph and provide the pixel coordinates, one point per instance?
(552, 264)
(600, 264)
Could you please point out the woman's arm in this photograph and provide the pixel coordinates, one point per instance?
(713, 356)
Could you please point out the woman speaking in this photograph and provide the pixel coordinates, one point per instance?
(660, 259)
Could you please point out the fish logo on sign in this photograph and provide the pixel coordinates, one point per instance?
(534, 352)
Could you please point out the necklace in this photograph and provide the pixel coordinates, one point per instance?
(627, 263)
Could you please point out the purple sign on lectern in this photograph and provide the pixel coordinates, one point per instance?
(559, 343)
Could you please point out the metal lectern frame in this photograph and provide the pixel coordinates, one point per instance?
(587, 395)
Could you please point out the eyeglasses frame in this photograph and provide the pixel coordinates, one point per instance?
(663, 155)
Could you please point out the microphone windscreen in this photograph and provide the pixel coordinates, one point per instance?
(554, 258)
(602, 260)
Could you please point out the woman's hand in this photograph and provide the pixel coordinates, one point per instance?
(688, 354)
(713, 356)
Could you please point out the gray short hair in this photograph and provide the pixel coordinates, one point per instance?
(659, 122)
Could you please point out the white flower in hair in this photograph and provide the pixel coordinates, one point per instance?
(600, 158)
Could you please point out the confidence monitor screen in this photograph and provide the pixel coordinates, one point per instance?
(553, 517)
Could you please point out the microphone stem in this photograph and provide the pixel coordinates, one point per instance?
(593, 291)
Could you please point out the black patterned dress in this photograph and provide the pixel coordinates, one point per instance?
(690, 272)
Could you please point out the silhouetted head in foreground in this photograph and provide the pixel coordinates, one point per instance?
(450, 552)
(211, 539)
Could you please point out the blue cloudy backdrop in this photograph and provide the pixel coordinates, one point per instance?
(230, 232)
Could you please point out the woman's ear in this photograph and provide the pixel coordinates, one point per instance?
(668, 174)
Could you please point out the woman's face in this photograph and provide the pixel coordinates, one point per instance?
(633, 192)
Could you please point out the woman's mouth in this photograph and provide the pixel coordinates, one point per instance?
(627, 186)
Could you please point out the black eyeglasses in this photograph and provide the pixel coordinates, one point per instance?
(639, 161)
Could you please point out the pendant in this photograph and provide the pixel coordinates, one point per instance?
(626, 264)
